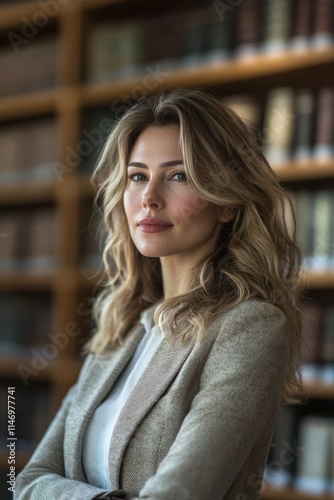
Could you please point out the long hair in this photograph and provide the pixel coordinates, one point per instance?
(256, 255)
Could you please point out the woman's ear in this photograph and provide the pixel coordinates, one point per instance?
(227, 214)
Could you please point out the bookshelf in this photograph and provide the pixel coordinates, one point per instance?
(69, 283)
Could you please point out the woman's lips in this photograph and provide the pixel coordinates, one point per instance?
(153, 225)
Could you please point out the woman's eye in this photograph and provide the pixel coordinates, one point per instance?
(137, 177)
(180, 176)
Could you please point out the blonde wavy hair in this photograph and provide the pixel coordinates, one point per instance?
(256, 256)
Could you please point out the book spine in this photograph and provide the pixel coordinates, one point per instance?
(277, 17)
(248, 28)
(278, 124)
(304, 125)
(315, 441)
(322, 216)
(323, 23)
(327, 373)
(324, 140)
(281, 459)
(312, 340)
(301, 25)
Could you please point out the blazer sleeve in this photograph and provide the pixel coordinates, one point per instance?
(43, 478)
(239, 394)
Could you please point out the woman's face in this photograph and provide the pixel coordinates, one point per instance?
(165, 217)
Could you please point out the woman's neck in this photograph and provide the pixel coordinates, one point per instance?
(175, 276)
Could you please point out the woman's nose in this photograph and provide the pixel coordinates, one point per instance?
(152, 197)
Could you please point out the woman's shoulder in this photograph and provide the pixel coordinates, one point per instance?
(254, 307)
(250, 316)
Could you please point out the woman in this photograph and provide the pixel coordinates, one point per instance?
(198, 338)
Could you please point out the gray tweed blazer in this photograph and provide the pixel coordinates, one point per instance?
(197, 426)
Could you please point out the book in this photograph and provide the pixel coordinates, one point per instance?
(324, 137)
(218, 40)
(194, 40)
(303, 137)
(96, 125)
(276, 22)
(32, 412)
(327, 348)
(28, 150)
(282, 454)
(312, 340)
(301, 27)
(31, 239)
(278, 124)
(25, 321)
(36, 60)
(114, 51)
(323, 214)
(246, 106)
(304, 223)
(248, 28)
(163, 43)
(323, 27)
(37, 242)
(312, 474)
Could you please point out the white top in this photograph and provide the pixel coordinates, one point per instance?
(97, 437)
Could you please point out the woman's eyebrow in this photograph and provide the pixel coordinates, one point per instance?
(170, 163)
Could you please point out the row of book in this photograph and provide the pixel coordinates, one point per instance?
(32, 415)
(206, 34)
(315, 227)
(318, 342)
(302, 451)
(121, 49)
(28, 151)
(28, 239)
(28, 65)
(25, 322)
(297, 124)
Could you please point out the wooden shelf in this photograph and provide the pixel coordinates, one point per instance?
(11, 15)
(309, 169)
(96, 4)
(318, 389)
(26, 280)
(56, 278)
(318, 279)
(27, 193)
(29, 104)
(286, 493)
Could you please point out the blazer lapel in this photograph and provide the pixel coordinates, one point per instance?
(157, 376)
(99, 380)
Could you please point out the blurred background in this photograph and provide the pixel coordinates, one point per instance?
(68, 69)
